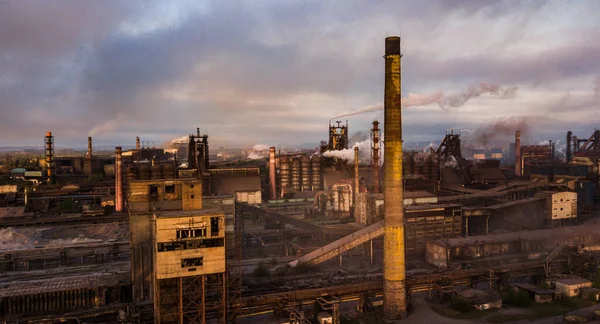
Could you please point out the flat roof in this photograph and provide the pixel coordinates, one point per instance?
(559, 232)
(572, 281)
(85, 281)
(188, 213)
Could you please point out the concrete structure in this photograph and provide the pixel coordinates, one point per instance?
(572, 286)
(541, 296)
(189, 252)
(394, 276)
(559, 205)
(518, 154)
(530, 244)
(481, 300)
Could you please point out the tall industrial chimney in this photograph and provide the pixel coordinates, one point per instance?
(49, 144)
(356, 177)
(272, 173)
(89, 152)
(137, 143)
(569, 139)
(518, 153)
(118, 180)
(375, 155)
(394, 285)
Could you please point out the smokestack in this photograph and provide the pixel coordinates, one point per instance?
(356, 178)
(49, 144)
(569, 138)
(137, 143)
(394, 285)
(375, 155)
(89, 152)
(272, 173)
(518, 153)
(118, 180)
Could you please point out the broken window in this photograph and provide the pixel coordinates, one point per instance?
(191, 232)
(192, 262)
(214, 226)
(170, 189)
(153, 193)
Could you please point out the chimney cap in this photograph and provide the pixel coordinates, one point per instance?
(392, 45)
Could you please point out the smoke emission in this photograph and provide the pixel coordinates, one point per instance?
(446, 102)
(259, 151)
(495, 132)
(364, 152)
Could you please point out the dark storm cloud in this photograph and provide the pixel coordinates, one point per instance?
(239, 68)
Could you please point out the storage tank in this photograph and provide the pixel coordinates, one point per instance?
(169, 171)
(296, 183)
(429, 167)
(131, 173)
(156, 172)
(316, 172)
(284, 174)
(144, 171)
(306, 171)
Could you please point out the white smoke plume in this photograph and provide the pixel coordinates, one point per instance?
(430, 147)
(364, 152)
(451, 162)
(446, 101)
(259, 151)
(108, 126)
(182, 139)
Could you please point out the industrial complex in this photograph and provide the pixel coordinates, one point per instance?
(180, 235)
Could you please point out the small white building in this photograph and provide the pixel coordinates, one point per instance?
(572, 286)
(560, 205)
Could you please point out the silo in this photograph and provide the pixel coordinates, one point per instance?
(131, 173)
(168, 171)
(284, 177)
(156, 172)
(296, 183)
(144, 171)
(316, 173)
(306, 171)
(429, 167)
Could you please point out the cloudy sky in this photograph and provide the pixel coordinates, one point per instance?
(275, 72)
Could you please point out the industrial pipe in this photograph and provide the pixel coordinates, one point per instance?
(518, 166)
(375, 156)
(394, 272)
(569, 137)
(272, 173)
(118, 180)
(137, 143)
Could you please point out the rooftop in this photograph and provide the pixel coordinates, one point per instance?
(560, 232)
(572, 281)
(188, 213)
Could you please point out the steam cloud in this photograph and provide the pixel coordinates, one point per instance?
(446, 102)
(259, 151)
(364, 152)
